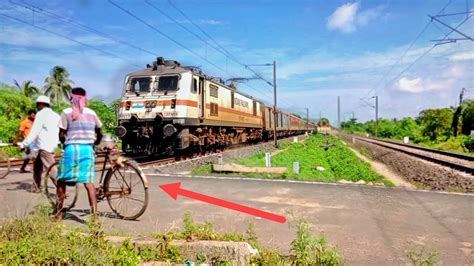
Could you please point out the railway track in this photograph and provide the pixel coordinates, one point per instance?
(15, 163)
(457, 161)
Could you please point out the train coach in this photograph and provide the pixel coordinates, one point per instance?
(167, 108)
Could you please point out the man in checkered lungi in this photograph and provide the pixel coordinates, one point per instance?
(80, 130)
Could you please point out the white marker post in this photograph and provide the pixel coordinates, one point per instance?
(268, 160)
(296, 167)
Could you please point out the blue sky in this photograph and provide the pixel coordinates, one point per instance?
(323, 49)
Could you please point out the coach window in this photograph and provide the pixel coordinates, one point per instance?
(194, 86)
(214, 109)
(232, 99)
(254, 108)
(213, 90)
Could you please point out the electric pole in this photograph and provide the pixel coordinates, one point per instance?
(307, 119)
(338, 112)
(461, 95)
(275, 142)
(376, 114)
(274, 84)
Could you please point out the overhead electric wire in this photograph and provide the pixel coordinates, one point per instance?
(77, 24)
(68, 38)
(182, 26)
(165, 35)
(406, 50)
(223, 50)
(189, 31)
(179, 24)
(88, 28)
(426, 52)
(172, 39)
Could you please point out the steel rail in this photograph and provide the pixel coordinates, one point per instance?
(453, 165)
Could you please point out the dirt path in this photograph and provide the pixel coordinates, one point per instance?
(382, 169)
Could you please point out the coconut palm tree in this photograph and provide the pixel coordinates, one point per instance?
(58, 85)
(27, 88)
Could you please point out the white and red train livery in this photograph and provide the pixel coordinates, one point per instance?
(168, 107)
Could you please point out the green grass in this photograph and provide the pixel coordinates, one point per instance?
(36, 239)
(306, 248)
(422, 255)
(203, 231)
(338, 161)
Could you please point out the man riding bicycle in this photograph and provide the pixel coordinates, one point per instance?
(80, 130)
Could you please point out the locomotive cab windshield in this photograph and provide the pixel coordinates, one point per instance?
(139, 85)
(165, 84)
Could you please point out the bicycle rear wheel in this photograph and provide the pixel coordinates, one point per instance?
(4, 165)
(126, 191)
(72, 191)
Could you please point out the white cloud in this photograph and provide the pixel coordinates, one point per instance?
(343, 18)
(411, 85)
(210, 22)
(364, 17)
(462, 56)
(443, 81)
(433, 82)
(348, 17)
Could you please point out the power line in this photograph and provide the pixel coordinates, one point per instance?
(165, 35)
(406, 50)
(216, 45)
(181, 25)
(425, 53)
(171, 39)
(202, 30)
(223, 50)
(191, 32)
(451, 28)
(68, 38)
(88, 28)
(77, 24)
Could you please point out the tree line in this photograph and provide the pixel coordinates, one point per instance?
(444, 128)
(17, 99)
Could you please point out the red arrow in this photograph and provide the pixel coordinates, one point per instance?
(174, 189)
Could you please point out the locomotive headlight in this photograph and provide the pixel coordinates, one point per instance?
(169, 130)
(120, 131)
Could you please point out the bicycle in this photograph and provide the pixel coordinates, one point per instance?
(5, 164)
(114, 185)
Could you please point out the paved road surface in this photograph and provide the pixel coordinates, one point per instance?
(369, 225)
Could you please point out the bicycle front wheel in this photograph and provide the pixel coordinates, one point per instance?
(4, 165)
(125, 190)
(72, 191)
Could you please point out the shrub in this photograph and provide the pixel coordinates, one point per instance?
(313, 250)
(35, 239)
